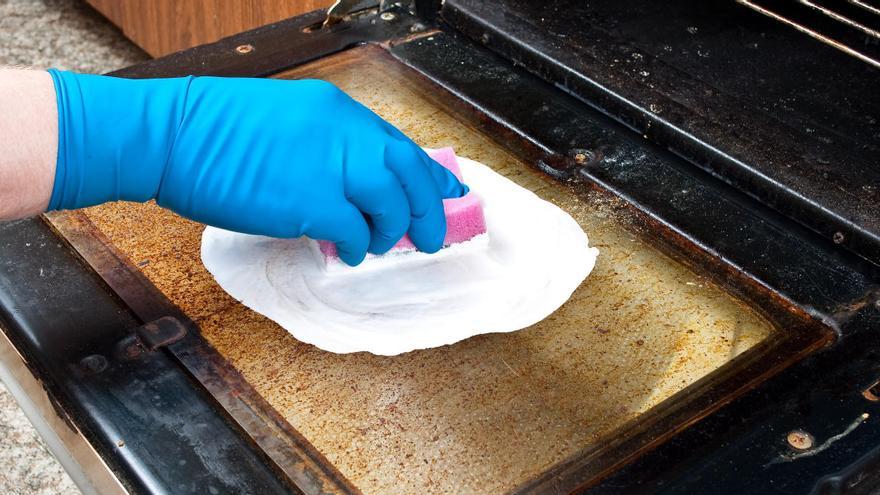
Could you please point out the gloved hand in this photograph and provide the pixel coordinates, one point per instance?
(260, 156)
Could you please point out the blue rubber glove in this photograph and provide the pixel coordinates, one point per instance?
(260, 156)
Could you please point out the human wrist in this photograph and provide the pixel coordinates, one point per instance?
(27, 139)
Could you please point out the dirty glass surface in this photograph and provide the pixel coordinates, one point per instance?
(491, 412)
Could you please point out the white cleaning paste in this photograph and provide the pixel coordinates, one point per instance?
(532, 258)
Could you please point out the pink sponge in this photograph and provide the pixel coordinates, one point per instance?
(464, 215)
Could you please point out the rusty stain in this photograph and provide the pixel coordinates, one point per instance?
(872, 393)
(800, 440)
(443, 419)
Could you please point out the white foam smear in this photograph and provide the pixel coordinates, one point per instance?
(534, 256)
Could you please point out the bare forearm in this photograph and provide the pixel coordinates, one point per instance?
(28, 142)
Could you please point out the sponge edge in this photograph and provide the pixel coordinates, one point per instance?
(464, 219)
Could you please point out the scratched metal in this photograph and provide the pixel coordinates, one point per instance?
(494, 411)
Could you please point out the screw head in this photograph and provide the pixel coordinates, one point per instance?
(387, 16)
(582, 156)
(800, 440)
(93, 364)
(244, 49)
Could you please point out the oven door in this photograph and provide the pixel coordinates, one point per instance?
(709, 320)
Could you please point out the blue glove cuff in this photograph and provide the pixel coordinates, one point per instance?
(114, 137)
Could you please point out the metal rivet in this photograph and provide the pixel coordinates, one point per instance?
(800, 440)
(838, 238)
(120, 443)
(95, 363)
(582, 156)
(387, 16)
(244, 49)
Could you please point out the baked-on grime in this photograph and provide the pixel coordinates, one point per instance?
(488, 413)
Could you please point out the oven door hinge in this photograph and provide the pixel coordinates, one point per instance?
(342, 9)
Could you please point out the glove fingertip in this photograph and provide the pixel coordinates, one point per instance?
(350, 257)
(447, 183)
(350, 233)
(428, 236)
(380, 245)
